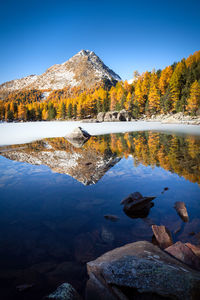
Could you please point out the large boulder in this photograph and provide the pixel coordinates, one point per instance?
(78, 137)
(112, 116)
(141, 270)
(64, 292)
(124, 115)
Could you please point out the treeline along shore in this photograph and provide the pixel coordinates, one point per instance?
(171, 90)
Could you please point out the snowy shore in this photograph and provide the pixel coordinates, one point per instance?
(19, 133)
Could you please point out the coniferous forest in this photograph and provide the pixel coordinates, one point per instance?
(173, 89)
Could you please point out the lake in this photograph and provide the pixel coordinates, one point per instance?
(54, 198)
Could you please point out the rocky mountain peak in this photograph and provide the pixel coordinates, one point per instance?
(85, 69)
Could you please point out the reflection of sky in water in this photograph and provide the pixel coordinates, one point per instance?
(46, 216)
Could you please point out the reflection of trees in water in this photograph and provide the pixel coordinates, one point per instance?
(173, 153)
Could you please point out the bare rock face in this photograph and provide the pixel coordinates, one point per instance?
(162, 235)
(184, 254)
(182, 210)
(141, 271)
(78, 137)
(64, 292)
(137, 206)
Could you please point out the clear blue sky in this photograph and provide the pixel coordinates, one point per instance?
(126, 35)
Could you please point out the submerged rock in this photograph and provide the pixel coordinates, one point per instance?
(162, 235)
(78, 137)
(137, 206)
(23, 287)
(111, 218)
(184, 254)
(141, 271)
(64, 292)
(182, 210)
(164, 190)
(106, 235)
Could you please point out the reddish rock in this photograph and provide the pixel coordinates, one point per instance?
(184, 254)
(162, 235)
(195, 249)
(182, 210)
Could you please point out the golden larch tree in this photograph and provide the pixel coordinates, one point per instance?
(193, 102)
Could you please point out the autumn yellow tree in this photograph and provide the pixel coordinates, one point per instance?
(154, 96)
(113, 98)
(164, 80)
(22, 112)
(193, 102)
(139, 99)
(175, 84)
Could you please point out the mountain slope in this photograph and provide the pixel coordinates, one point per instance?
(85, 69)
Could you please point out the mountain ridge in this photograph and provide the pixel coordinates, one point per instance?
(85, 69)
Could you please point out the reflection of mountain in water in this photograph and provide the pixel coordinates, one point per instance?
(88, 164)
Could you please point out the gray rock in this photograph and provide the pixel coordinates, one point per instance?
(108, 116)
(78, 133)
(124, 115)
(112, 116)
(78, 137)
(64, 292)
(141, 269)
(100, 116)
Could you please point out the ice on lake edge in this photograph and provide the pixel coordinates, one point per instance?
(21, 133)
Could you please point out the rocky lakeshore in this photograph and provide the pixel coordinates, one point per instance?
(139, 271)
(123, 115)
(142, 270)
(178, 118)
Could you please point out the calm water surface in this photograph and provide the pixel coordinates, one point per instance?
(53, 198)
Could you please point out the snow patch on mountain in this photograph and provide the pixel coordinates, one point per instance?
(85, 69)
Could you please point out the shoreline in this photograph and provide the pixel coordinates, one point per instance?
(26, 132)
(178, 118)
